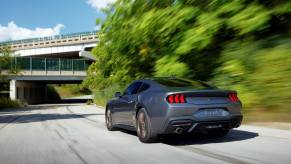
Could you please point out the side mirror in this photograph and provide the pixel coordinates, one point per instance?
(117, 94)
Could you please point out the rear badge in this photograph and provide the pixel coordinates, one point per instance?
(213, 126)
(211, 113)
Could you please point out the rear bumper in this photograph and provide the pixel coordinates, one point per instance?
(182, 125)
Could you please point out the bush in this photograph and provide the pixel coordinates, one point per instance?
(260, 73)
(7, 103)
(102, 96)
(89, 102)
(71, 90)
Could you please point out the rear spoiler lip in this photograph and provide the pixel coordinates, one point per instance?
(204, 93)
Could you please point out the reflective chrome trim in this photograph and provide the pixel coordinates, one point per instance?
(192, 127)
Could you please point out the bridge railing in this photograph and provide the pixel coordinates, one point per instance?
(49, 66)
(81, 34)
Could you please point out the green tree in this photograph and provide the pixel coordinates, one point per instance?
(5, 58)
(213, 40)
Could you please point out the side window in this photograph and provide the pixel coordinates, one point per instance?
(133, 88)
(143, 87)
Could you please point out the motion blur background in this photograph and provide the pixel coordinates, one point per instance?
(234, 44)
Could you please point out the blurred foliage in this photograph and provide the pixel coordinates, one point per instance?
(71, 90)
(5, 58)
(259, 71)
(168, 65)
(101, 96)
(4, 61)
(235, 44)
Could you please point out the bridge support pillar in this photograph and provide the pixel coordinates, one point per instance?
(29, 92)
(12, 87)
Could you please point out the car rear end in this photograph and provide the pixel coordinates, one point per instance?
(201, 110)
(184, 111)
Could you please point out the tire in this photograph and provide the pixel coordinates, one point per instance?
(218, 133)
(144, 130)
(108, 120)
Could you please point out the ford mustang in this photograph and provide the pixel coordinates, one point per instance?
(169, 105)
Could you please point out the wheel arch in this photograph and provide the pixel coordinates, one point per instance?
(138, 107)
(106, 107)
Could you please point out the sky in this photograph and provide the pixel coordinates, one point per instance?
(21, 19)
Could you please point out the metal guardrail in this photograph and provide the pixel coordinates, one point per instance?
(53, 41)
(81, 34)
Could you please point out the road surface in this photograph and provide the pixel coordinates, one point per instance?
(76, 133)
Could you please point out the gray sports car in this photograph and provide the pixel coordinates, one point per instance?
(168, 105)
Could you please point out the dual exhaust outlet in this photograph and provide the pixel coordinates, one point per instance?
(179, 130)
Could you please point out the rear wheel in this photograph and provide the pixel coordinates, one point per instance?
(144, 131)
(218, 133)
(108, 120)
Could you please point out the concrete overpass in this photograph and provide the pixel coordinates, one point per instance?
(49, 60)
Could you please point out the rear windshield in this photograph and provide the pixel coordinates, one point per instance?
(182, 83)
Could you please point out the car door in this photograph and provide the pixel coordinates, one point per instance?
(131, 101)
(125, 104)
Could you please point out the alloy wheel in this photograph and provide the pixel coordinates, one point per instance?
(142, 125)
(108, 119)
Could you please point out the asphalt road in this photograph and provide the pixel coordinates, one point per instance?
(76, 133)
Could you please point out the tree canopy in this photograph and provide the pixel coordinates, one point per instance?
(230, 43)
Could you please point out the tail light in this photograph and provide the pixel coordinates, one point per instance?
(233, 97)
(176, 98)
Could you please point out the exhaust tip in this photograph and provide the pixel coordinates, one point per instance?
(179, 130)
(237, 125)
